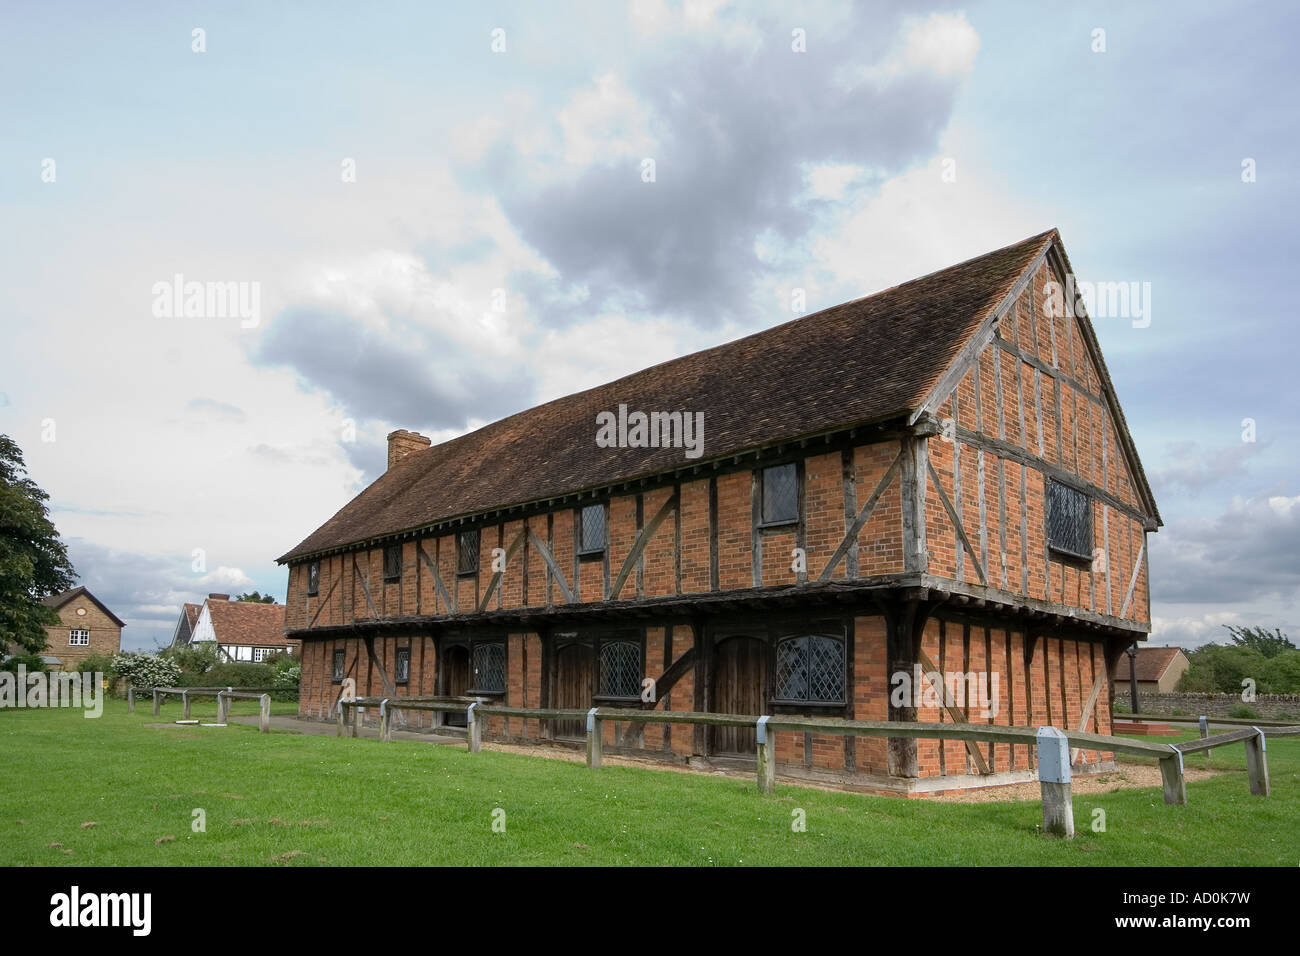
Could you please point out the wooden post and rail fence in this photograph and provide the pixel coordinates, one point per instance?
(224, 695)
(1053, 745)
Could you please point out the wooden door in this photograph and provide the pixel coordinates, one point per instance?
(455, 661)
(739, 687)
(574, 672)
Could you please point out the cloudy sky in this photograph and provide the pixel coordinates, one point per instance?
(444, 213)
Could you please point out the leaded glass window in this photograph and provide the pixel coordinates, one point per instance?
(810, 669)
(780, 494)
(1069, 520)
(620, 669)
(489, 661)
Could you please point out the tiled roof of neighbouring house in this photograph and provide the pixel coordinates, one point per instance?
(1152, 662)
(248, 622)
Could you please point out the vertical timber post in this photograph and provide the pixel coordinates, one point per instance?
(1054, 782)
(221, 706)
(185, 702)
(385, 722)
(341, 708)
(766, 756)
(264, 718)
(1257, 763)
(155, 701)
(130, 700)
(595, 739)
(1205, 732)
(1171, 776)
(473, 729)
(356, 720)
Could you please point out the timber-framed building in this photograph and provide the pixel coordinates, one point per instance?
(934, 478)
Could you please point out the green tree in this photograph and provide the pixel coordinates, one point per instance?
(1259, 639)
(256, 598)
(33, 561)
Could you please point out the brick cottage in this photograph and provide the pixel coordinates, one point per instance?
(934, 478)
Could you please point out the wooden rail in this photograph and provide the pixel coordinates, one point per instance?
(1054, 746)
(1228, 721)
(224, 696)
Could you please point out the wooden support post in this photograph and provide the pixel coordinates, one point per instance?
(1171, 775)
(221, 706)
(155, 702)
(766, 757)
(130, 700)
(1257, 764)
(185, 701)
(385, 722)
(356, 721)
(595, 740)
(473, 729)
(341, 718)
(1205, 732)
(264, 718)
(1054, 782)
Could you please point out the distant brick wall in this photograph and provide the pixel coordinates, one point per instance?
(1216, 705)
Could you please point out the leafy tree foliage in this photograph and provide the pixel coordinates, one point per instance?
(1259, 639)
(256, 598)
(33, 561)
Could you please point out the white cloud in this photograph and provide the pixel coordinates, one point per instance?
(943, 45)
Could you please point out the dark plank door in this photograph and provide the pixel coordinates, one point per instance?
(456, 661)
(574, 671)
(739, 687)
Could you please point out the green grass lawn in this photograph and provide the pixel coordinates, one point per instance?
(288, 799)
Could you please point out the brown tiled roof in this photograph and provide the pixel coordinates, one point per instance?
(248, 622)
(1152, 662)
(869, 360)
(57, 601)
(192, 614)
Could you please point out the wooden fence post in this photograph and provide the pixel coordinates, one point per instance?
(766, 757)
(1257, 763)
(1054, 782)
(473, 729)
(130, 700)
(341, 708)
(595, 740)
(385, 722)
(264, 718)
(185, 700)
(155, 702)
(1205, 732)
(1171, 775)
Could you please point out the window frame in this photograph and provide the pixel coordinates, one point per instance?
(339, 667)
(778, 700)
(473, 689)
(392, 574)
(763, 520)
(73, 633)
(584, 551)
(1065, 551)
(601, 646)
(398, 655)
(313, 578)
(460, 550)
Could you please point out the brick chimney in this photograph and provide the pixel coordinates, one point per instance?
(402, 443)
(218, 597)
